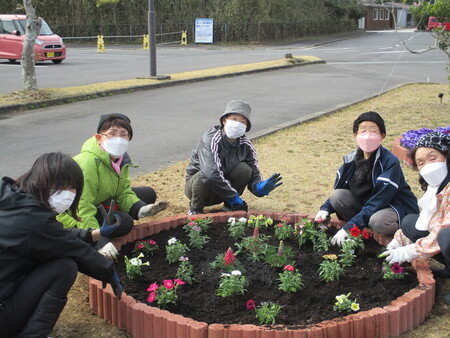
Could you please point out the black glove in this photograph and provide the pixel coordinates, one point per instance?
(115, 285)
(236, 207)
(110, 222)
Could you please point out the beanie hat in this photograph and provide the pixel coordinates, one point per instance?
(435, 140)
(372, 117)
(238, 107)
(104, 117)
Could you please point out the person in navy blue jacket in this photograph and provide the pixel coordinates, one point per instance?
(370, 188)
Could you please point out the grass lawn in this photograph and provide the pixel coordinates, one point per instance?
(307, 156)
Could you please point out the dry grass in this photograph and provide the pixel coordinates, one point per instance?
(21, 97)
(307, 156)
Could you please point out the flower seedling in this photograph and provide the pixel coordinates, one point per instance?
(231, 284)
(395, 271)
(164, 294)
(185, 270)
(237, 227)
(194, 230)
(256, 245)
(147, 247)
(290, 280)
(175, 249)
(283, 230)
(259, 221)
(344, 304)
(304, 231)
(133, 266)
(227, 261)
(279, 257)
(329, 269)
(267, 312)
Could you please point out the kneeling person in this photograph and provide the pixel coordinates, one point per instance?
(224, 163)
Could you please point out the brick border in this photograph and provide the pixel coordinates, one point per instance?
(405, 313)
(401, 152)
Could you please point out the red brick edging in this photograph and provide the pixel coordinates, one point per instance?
(142, 321)
(401, 152)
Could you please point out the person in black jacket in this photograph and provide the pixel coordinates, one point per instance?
(370, 189)
(224, 163)
(39, 258)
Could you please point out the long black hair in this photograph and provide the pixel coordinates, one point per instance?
(412, 156)
(53, 172)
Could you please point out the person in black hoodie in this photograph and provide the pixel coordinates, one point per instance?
(39, 258)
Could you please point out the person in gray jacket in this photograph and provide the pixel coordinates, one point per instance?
(224, 163)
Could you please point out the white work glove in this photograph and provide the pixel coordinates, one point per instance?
(321, 215)
(402, 254)
(152, 209)
(109, 251)
(394, 244)
(339, 237)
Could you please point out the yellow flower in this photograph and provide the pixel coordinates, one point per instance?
(333, 257)
(355, 306)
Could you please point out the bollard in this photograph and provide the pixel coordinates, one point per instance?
(145, 42)
(184, 37)
(100, 44)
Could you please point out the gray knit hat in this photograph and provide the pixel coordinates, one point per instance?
(238, 107)
(435, 140)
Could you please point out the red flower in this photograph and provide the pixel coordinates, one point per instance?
(355, 231)
(179, 282)
(229, 258)
(280, 225)
(365, 234)
(193, 218)
(151, 297)
(289, 268)
(284, 218)
(168, 284)
(191, 223)
(251, 305)
(153, 287)
(140, 246)
(396, 268)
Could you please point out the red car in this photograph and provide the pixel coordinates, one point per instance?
(48, 46)
(434, 23)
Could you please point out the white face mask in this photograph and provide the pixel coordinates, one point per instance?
(61, 200)
(234, 129)
(434, 173)
(115, 146)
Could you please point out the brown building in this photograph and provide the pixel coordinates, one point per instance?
(380, 17)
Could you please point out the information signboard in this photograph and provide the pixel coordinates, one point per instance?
(204, 29)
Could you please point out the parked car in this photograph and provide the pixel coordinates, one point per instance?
(434, 23)
(48, 46)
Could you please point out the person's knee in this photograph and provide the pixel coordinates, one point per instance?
(383, 224)
(443, 239)
(146, 194)
(66, 271)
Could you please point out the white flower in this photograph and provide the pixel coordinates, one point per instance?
(225, 275)
(236, 273)
(340, 298)
(135, 262)
(231, 220)
(355, 306)
(171, 241)
(242, 219)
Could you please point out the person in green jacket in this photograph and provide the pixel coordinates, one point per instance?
(105, 162)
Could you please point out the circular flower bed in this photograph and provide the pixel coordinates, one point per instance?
(390, 320)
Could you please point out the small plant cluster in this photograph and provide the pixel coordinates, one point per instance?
(330, 270)
(148, 246)
(175, 250)
(345, 304)
(185, 270)
(395, 271)
(195, 229)
(290, 280)
(266, 312)
(133, 266)
(236, 227)
(231, 284)
(164, 294)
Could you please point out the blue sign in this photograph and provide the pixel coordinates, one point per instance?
(204, 29)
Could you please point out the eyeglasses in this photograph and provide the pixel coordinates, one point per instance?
(115, 133)
(370, 130)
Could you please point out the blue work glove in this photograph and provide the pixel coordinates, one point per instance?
(237, 203)
(265, 187)
(110, 222)
(115, 285)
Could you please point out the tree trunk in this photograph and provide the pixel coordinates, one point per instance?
(29, 80)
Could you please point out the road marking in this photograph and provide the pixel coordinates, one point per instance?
(14, 65)
(382, 62)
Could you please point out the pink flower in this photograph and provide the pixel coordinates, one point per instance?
(229, 258)
(151, 297)
(193, 218)
(319, 220)
(284, 218)
(151, 241)
(251, 305)
(280, 225)
(153, 287)
(140, 246)
(396, 268)
(289, 268)
(168, 284)
(191, 223)
(179, 282)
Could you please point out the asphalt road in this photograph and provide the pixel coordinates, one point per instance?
(167, 122)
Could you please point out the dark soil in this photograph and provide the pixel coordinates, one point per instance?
(312, 304)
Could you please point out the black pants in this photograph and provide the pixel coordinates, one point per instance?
(146, 194)
(36, 304)
(409, 230)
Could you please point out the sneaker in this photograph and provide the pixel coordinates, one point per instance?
(442, 273)
(226, 207)
(193, 211)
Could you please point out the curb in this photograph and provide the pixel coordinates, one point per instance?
(170, 83)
